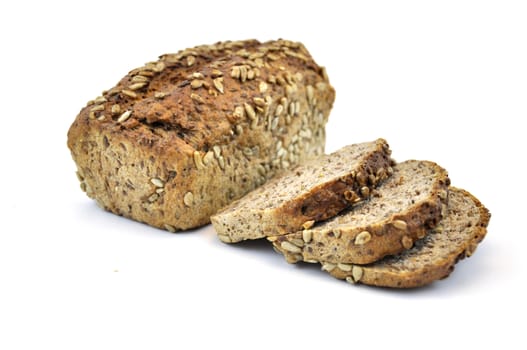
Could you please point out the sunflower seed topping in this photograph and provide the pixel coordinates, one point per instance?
(124, 117)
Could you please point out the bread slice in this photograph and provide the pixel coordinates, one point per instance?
(312, 192)
(431, 258)
(400, 211)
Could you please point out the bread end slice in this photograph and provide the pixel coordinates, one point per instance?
(433, 257)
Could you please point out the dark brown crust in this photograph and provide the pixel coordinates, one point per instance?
(330, 198)
(386, 239)
(426, 274)
(118, 155)
(237, 222)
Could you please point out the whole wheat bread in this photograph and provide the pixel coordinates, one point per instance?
(311, 192)
(399, 212)
(431, 258)
(181, 137)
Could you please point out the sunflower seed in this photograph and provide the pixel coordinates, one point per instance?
(307, 236)
(170, 228)
(198, 161)
(400, 225)
(188, 199)
(345, 267)
(407, 242)
(124, 116)
(290, 247)
(208, 157)
(357, 273)
(218, 84)
(328, 267)
(157, 182)
(362, 238)
(129, 93)
(137, 86)
(262, 87)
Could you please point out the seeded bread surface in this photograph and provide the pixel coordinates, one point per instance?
(431, 258)
(181, 137)
(310, 192)
(399, 212)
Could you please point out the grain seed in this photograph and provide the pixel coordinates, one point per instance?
(235, 72)
(216, 73)
(116, 109)
(197, 98)
(362, 238)
(124, 116)
(365, 191)
(137, 86)
(157, 182)
(356, 273)
(250, 111)
(290, 247)
(400, 225)
(328, 267)
(129, 93)
(218, 84)
(262, 87)
(345, 267)
(196, 84)
(208, 157)
(198, 161)
(97, 108)
(217, 151)
(407, 242)
(153, 197)
(308, 224)
(170, 228)
(259, 101)
(221, 163)
(225, 238)
(139, 79)
(298, 242)
(307, 236)
(188, 199)
(239, 112)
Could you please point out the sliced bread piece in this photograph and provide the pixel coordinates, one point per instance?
(431, 258)
(314, 191)
(399, 212)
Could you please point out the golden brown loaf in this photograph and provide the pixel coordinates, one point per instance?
(179, 138)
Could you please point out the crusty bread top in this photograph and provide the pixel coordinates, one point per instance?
(432, 257)
(207, 74)
(398, 213)
(314, 191)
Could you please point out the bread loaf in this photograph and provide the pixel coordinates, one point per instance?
(431, 258)
(308, 193)
(411, 201)
(181, 137)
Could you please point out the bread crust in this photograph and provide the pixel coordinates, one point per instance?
(181, 137)
(386, 273)
(314, 193)
(349, 242)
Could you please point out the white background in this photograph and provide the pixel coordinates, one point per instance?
(441, 80)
